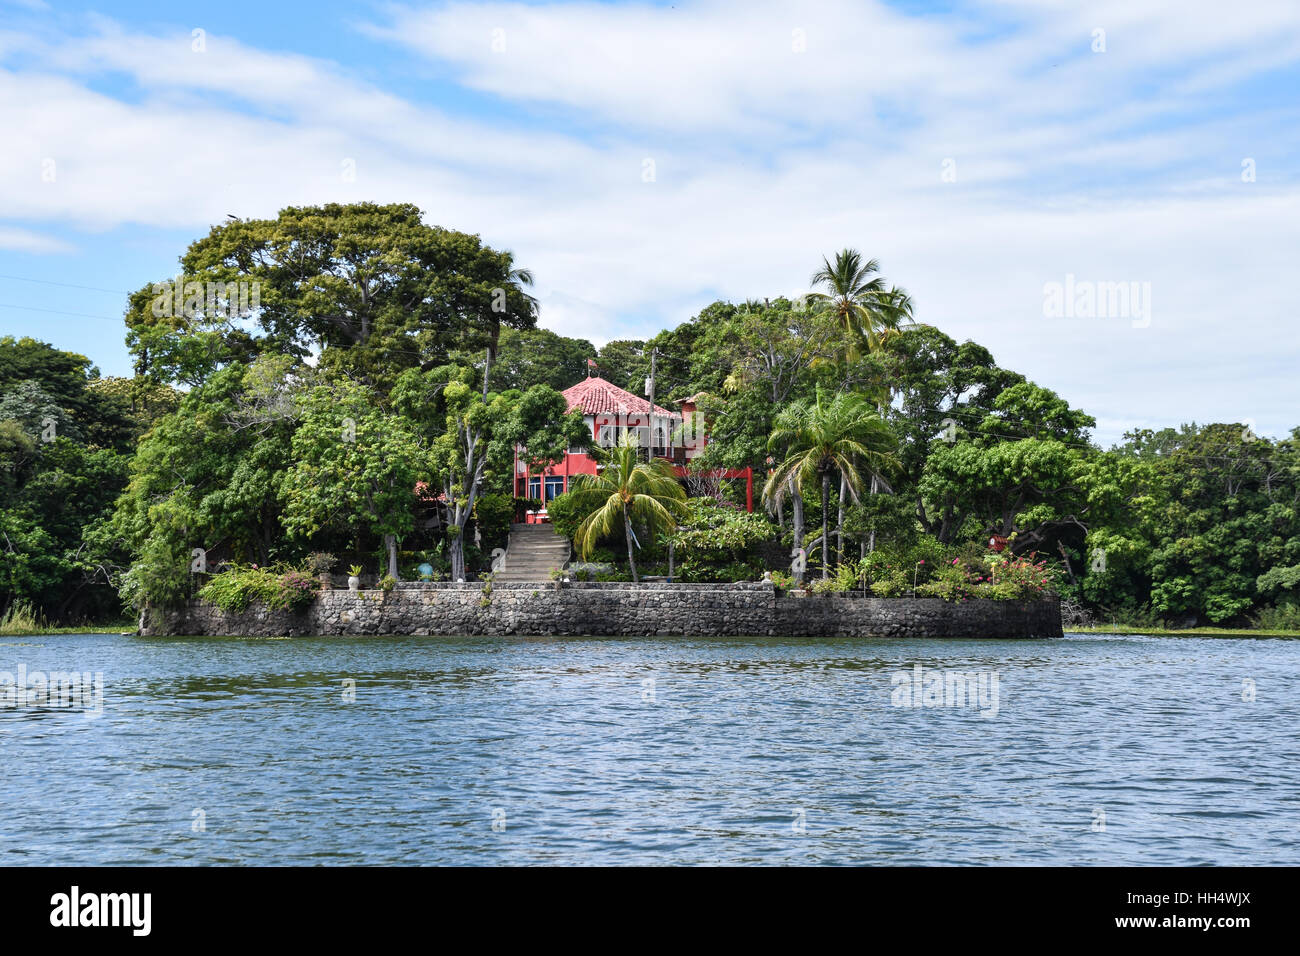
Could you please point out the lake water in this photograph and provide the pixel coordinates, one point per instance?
(1102, 750)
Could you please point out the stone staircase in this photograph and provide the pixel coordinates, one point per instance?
(533, 552)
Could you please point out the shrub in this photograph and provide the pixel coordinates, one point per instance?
(716, 532)
(833, 585)
(1283, 617)
(387, 583)
(886, 574)
(524, 505)
(587, 570)
(294, 591)
(1018, 578)
(895, 582)
(240, 585)
(493, 514)
(564, 514)
(952, 582)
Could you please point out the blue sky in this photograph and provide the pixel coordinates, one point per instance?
(981, 151)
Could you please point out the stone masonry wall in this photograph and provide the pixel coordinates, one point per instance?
(612, 609)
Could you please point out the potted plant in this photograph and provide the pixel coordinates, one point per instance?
(319, 563)
(354, 577)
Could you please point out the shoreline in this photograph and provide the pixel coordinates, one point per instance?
(127, 629)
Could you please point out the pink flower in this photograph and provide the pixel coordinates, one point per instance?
(955, 560)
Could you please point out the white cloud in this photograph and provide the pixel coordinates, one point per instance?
(24, 240)
(764, 159)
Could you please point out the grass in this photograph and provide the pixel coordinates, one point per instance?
(21, 620)
(1183, 632)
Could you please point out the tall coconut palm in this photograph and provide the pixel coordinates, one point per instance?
(517, 280)
(890, 312)
(623, 491)
(842, 435)
(855, 292)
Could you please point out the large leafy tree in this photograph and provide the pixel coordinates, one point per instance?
(748, 362)
(355, 466)
(63, 459)
(372, 287)
(626, 491)
(828, 437)
(1233, 516)
(206, 476)
(539, 357)
(621, 361)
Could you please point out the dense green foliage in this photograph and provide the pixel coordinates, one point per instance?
(369, 403)
(238, 586)
(66, 438)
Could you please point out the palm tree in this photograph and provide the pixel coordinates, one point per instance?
(844, 435)
(625, 490)
(858, 297)
(518, 280)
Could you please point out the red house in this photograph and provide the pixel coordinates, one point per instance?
(611, 412)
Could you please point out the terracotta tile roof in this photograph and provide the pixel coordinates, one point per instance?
(595, 396)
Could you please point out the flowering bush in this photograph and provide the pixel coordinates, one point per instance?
(999, 577)
(1013, 578)
(953, 574)
(294, 590)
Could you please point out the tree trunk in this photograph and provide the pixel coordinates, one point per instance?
(390, 542)
(631, 559)
(826, 505)
(839, 523)
(456, 552)
(461, 515)
(1066, 558)
(796, 509)
(872, 545)
(493, 344)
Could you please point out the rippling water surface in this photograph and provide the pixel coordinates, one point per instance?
(765, 750)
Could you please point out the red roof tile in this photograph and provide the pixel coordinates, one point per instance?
(595, 396)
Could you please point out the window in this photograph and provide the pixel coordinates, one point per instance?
(535, 488)
(554, 487)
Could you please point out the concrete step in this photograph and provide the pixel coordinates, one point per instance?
(533, 552)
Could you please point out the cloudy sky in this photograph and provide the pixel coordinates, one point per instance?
(644, 159)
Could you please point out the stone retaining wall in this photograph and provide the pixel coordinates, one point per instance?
(621, 609)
